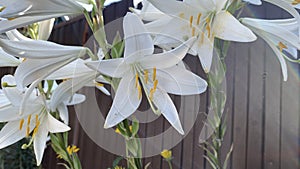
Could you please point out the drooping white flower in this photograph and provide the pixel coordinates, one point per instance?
(280, 35)
(156, 74)
(202, 19)
(15, 14)
(36, 119)
(75, 75)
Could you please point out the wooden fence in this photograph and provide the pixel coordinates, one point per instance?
(262, 111)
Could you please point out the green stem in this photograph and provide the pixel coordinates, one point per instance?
(170, 164)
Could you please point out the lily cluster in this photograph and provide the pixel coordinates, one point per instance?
(31, 97)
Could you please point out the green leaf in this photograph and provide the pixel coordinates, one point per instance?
(117, 161)
(135, 127)
(117, 46)
(227, 157)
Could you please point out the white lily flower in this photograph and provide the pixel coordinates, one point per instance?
(254, 2)
(202, 19)
(280, 36)
(75, 75)
(156, 74)
(15, 14)
(36, 119)
(42, 58)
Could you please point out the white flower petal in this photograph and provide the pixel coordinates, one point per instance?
(67, 89)
(8, 60)
(11, 133)
(55, 126)
(39, 143)
(179, 81)
(165, 105)
(15, 35)
(39, 49)
(45, 29)
(205, 52)
(125, 103)
(75, 99)
(74, 69)
(34, 69)
(173, 57)
(222, 27)
(255, 2)
(170, 7)
(63, 113)
(137, 40)
(112, 67)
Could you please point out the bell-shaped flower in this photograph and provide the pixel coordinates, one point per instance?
(156, 74)
(35, 121)
(280, 35)
(202, 19)
(15, 14)
(75, 75)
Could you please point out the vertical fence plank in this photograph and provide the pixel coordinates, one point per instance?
(240, 105)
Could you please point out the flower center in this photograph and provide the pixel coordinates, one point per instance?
(281, 46)
(37, 124)
(295, 2)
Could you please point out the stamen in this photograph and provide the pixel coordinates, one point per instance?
(10, 19)
(295, 2)
(21, 124)
(146, 74)
(28, 125)
(151, 94)
(139, 91)
(207, 26)
(28, 120)
(193, 31)
(155, 84)
(2, 8)
(73, 149)
(154, 74)
(198, 18)
(191, 20)
(282, 46)
(99, 84)
(136, 80)
(202, 38)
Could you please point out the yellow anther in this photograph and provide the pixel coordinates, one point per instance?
(281, 46)
(28, 120)
(181, 15)
(155, 84)
(27, 131)
(136, 80)
(193, 31)
(191, 20)
(2, 8)
(139, 91)
(146, 76)
(198, 18)
(72, 149)
(208, 26)
(99, 84)
(36, 118)
(21, 124)
(202, 38)
(59, 156)
(166, 154)
(154, 74)
(295, 2)
(151, 94)
(10, 19)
